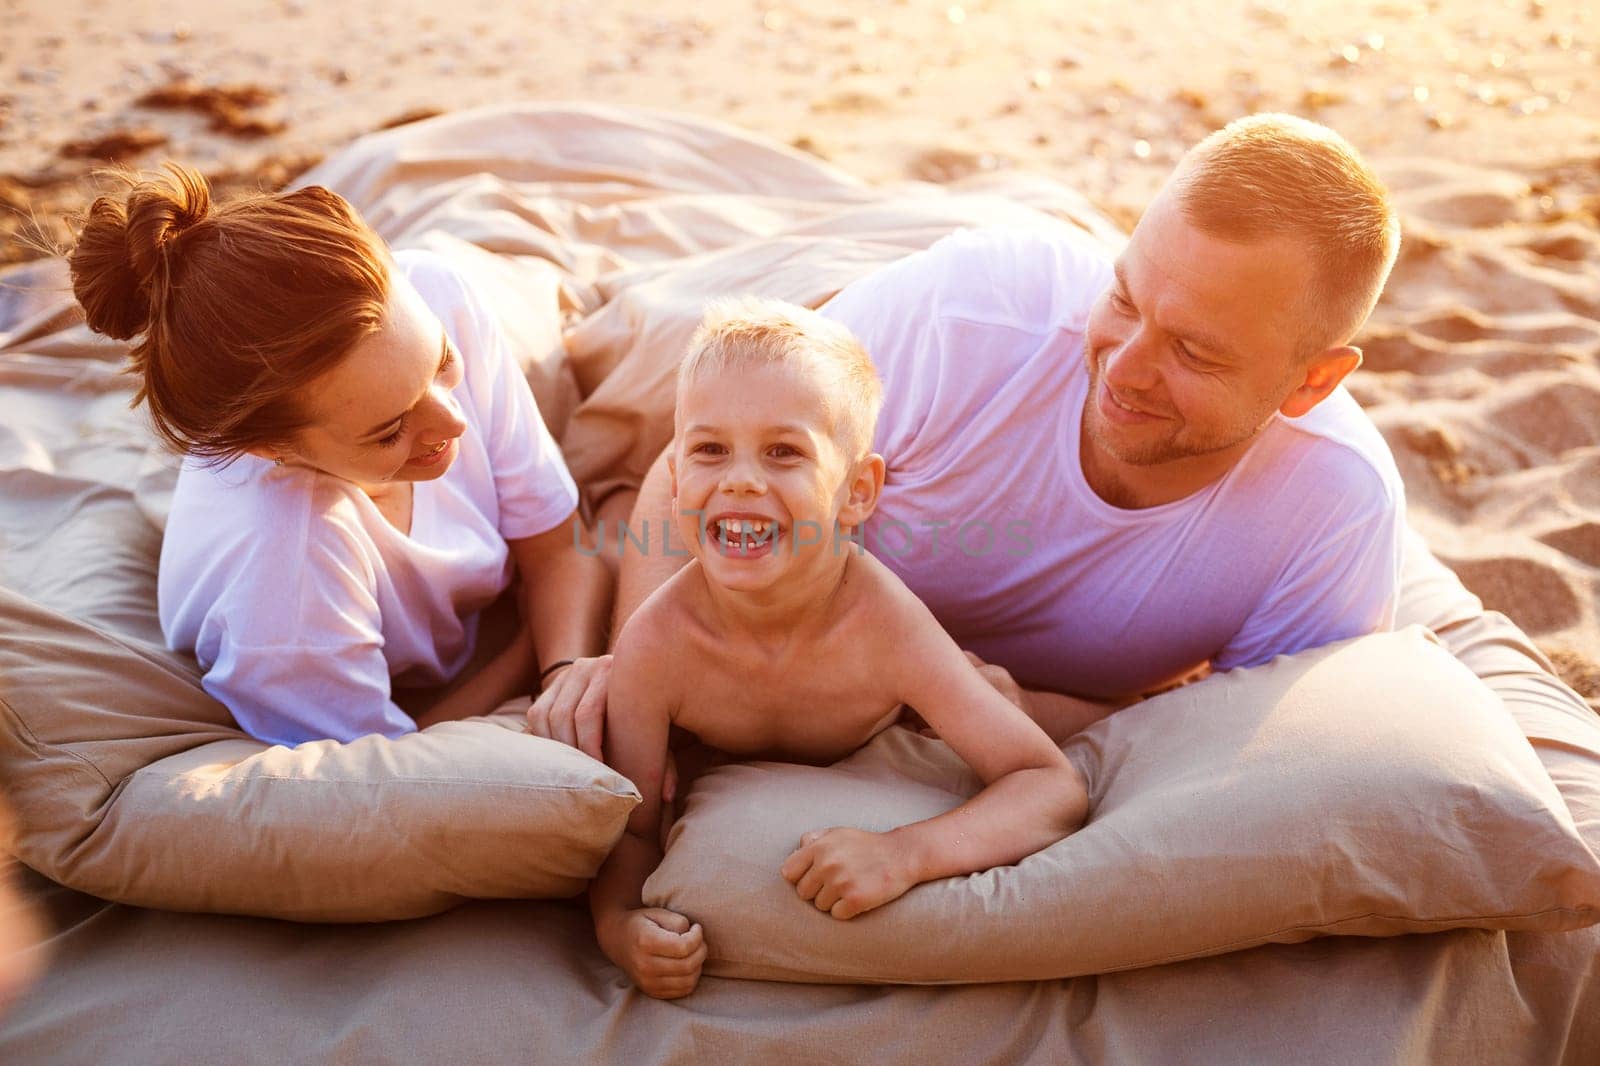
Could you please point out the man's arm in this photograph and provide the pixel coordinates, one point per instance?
(643, 573)
(1341, 587)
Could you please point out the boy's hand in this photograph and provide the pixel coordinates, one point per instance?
(662, 951)
(848, 871)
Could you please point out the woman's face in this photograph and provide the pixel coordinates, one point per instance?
(386, 412)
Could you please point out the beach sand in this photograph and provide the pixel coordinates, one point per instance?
(1483, 361)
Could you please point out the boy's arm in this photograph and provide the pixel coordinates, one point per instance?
(1033, 795)
(660, 950)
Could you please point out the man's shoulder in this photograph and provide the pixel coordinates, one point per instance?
(1336, 452)
(1032, 277)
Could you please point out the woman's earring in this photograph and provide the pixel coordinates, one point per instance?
(278, 461)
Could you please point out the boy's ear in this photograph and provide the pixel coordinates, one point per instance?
(1323, 374)
(866, 483)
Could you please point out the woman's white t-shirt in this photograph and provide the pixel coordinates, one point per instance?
(303, 603)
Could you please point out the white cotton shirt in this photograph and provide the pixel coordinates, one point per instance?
(986, 515)
(303, 603)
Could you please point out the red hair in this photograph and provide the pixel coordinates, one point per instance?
(237, 307)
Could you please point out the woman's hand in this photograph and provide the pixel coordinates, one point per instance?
(572, 707)
(845, 872)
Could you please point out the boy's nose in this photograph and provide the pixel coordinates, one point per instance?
(743, 476)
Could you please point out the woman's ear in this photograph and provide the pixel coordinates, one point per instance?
(267, 452)
(865, 485)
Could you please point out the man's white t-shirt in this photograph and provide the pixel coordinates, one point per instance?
(302, 602)
(986, 514)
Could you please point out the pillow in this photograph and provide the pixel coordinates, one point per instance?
(129, 782)
(1373, 788)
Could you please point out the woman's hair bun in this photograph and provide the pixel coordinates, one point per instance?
(126, 254)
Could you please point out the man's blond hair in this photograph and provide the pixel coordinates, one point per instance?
(749, 331)
(1270, 176)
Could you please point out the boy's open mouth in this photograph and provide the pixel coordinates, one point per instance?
(743, 538)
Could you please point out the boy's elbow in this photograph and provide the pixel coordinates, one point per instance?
(1070, 808)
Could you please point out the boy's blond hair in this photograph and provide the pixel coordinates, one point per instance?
(1275, 175)
(754, 331)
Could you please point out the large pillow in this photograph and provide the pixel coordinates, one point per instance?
(130, 783)
(1374, 787)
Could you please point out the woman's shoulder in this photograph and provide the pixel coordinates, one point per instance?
(277, 525)
(440, 281)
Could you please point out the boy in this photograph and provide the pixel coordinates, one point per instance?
(783, 639)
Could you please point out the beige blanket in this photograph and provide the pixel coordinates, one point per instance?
(621, 223)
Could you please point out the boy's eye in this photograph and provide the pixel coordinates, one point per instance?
(1120, 302)
(784, 451)
(706, 448)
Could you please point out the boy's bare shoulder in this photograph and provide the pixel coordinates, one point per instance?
(886, 602)
(651, 641)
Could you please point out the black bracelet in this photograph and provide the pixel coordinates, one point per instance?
(552, 668)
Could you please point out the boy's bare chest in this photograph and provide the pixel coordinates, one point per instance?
(815, 708)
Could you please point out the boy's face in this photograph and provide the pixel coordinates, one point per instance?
(756, 457)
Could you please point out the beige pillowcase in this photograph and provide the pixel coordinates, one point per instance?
(130, 783)
(1375, 787)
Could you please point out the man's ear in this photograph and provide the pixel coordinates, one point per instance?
(866, 483)
(1322, 376)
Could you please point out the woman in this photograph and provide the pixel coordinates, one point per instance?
(364, 466)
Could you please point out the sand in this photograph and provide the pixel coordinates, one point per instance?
(1483, 364)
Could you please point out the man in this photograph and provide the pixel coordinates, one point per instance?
(1105, 476)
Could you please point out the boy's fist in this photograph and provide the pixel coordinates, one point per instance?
(662, 951)
(847, 871)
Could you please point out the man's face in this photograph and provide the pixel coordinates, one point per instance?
(1195, 346)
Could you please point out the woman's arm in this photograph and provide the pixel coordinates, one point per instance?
(511, 673)
(566, 597)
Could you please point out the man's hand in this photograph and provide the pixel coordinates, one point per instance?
(1002, 681)
(572, 707)
(1059, 716)
(660, 950)
(847, 872)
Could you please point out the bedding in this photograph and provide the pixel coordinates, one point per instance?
(1373, 787)
(133, 784)
(626, 221)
